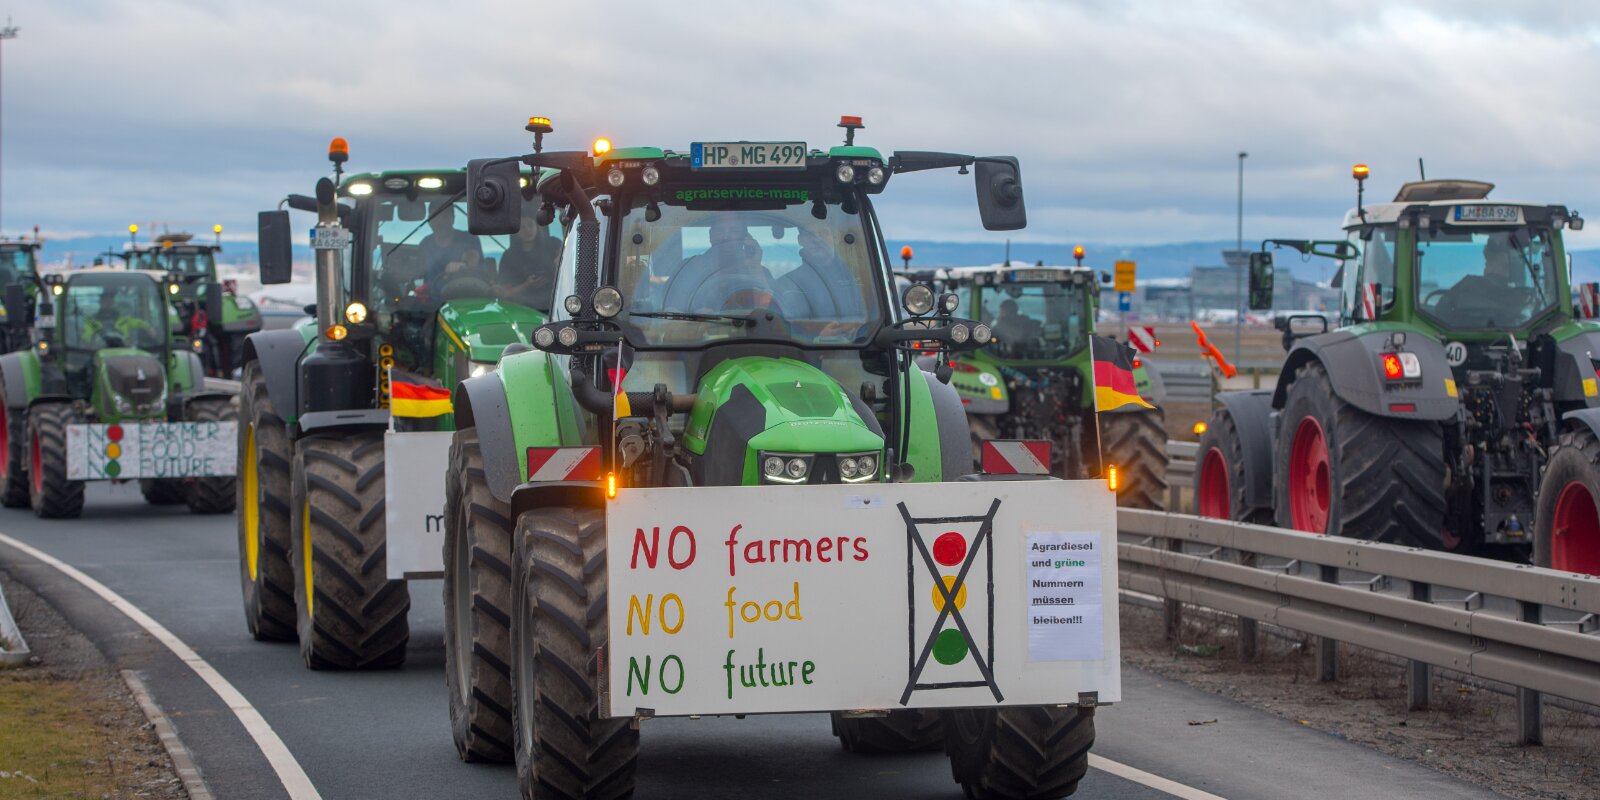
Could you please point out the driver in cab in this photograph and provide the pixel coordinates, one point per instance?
(1489, 290)
(107, 321)
(738, 280)
(447, 251)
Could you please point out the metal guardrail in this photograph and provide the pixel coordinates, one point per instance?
(1342, 590)
(1180, 472)
(14, 650)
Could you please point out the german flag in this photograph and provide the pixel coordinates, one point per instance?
(409, 397)
(1113, 376)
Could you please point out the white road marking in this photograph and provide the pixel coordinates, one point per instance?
(1156, 782)
(290, 774)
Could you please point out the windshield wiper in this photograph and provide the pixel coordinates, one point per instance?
(693, 316)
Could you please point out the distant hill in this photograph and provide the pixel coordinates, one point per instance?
(1155, 261)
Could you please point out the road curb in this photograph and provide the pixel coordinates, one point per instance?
(182, 761)
(14, 650)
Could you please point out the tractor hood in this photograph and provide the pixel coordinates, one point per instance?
(483, 328)
(751, 404)
(134, 383)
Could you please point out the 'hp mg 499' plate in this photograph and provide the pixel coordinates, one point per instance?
(748, 155)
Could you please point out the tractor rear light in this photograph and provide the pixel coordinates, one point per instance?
(1391, 367)
(1405, 408)
(1402, 366)
(1137, 363)
(1410, 365)
(1111, 477)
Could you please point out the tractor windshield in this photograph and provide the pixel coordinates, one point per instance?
(17, 266)
(421, 253)
(190, 263)
(701, 274)
(1036, 320)
(113, 310)
(1477, 278)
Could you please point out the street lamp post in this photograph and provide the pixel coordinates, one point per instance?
(8, 32)
(1238, 279)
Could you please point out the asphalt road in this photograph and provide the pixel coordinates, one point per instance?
(386, 735)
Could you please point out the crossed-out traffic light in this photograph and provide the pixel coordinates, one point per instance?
(950, 645)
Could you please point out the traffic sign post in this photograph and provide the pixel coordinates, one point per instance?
(1124, 301)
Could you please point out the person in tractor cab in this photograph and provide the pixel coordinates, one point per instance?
(1017, 330)
(109, 326)
(1498, 287)
(734, 275)
(445, 250)
(529, 264)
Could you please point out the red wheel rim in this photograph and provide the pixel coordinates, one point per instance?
(36, 463)
(1215, 494)
(1575, 531)
(1310, 492)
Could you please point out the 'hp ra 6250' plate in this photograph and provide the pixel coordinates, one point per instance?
(757, 155)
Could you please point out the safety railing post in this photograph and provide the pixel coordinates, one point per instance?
(1419, 676)
(1530, 712)
(1327, 646)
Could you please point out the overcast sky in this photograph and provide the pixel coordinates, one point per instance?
(1127, 116)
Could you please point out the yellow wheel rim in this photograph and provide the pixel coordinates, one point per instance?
(252, 505)
(305, 550)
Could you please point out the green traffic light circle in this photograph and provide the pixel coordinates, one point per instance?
(949, 647)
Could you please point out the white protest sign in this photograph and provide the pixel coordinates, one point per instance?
(414, 466)
(151, 450)
(809, 598)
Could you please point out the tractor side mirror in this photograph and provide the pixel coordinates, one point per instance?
(1260, 280)
(999, 182)
(213, 304)
(16, 305)
(495, 196)
(276, 251)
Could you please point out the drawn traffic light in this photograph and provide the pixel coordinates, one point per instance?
(113, 450)
(957, 558)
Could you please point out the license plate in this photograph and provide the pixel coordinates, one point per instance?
(747, 155)
(1036, 276)
(1503, 214)
(329, 238)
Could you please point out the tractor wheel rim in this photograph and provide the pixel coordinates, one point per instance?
(36, 462)
(1310, 479)
(1575, 531)
(1215, 495)
(252, 505)
(305, 555)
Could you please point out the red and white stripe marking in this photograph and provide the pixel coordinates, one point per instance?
(1016, 457)
(1589, 300)
(1143, 338)
(563, 463)
(1369, 301)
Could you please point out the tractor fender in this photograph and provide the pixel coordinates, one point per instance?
(1575, 378)
(1252, 417)
(353, 418)
(279, 352)
(955, 437)
(545, 494)
(481, 403)
(13, 374)
(1355, 369)
(1578, 418)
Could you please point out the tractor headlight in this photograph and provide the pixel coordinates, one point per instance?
(785, 467)
(544, 337)
(356, 313)
(875, 176)
(479, 368)
(172, 288)
(198, 345)
(948, 303)
(918, 299)
(959, 333)
(858, 467)
(568, 336)
(845, 173)
(981, 333)
(650, 175)
(573, 304)
(615, 178)
(607, 302)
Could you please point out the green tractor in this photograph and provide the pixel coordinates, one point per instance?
(102, 394)
(208, 309)
(731, 360)
(1036, 379)
(1455, 408)
(346, 423)
(19, 265)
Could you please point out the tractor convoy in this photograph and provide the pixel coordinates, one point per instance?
(1454, 408)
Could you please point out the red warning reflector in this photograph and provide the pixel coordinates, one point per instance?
(1143, 338)
(563, 463)
(1016, 457)
(1403, 407)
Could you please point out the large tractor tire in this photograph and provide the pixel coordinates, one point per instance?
(13, 452)
(349, 615)
(1344, 472)
(1136, 441)
(902, 731)
(50, 494)
(162, 491)
(1219, 481)
(265, 453)
(564, 748)
(1567, 533)
(477, 607)
(216, 494)
(1019, 753)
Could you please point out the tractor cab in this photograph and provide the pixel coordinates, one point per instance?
(1038, 313)
(19, 265)
(113, 322)
(208, 313)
